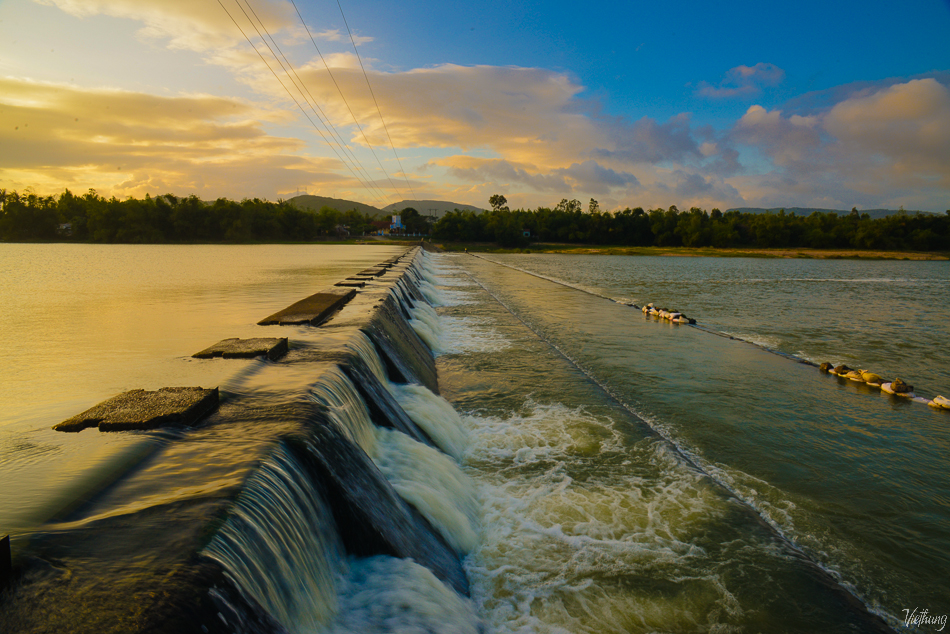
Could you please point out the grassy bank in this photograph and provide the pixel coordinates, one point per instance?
(818, 254)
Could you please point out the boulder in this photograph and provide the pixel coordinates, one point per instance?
(871, 378)
(825, 367)
(899, 387)
(841, 370)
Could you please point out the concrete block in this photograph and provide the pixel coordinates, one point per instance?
(139, 409)
(273, 347)
(351, 283)
(312, 310)
(375, 271)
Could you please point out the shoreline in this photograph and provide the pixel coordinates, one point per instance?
(802, 253)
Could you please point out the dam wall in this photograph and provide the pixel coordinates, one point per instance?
(248, 521)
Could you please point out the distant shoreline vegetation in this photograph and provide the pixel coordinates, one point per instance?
(569, 223)
(170, 219)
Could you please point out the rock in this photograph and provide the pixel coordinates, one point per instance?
(940, 402)
(841, 370)
(855, 375)
(871, 378)
(825, 367)
(139, 409)
(899, 387)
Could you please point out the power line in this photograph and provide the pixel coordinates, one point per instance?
(302, 87)
(343, 97)
(294, 99)
(366, 77)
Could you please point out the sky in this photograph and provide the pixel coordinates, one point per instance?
(694, 104)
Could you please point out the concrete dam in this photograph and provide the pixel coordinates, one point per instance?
(242, 522)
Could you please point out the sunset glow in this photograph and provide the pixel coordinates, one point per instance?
(690, 105)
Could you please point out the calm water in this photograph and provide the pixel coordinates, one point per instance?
(608, 473)
(81, 323)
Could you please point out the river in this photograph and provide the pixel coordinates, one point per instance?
(616, 473)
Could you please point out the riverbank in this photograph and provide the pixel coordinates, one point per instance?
(587, 249)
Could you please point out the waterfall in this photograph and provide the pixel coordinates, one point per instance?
(280, 545)
(435, 416)
(425, 322)
(346, 408)
(433, 483)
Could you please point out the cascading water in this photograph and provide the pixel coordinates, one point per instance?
(435, 416)
(433, 483)
(425, 321)
(280, 545)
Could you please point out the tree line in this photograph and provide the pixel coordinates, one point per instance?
(168, 219)
(568, 222)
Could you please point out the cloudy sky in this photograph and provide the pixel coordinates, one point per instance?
(812, 104)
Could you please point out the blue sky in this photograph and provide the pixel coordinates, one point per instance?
(635, 104)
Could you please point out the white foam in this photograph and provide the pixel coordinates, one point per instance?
(431, 482)
(386, 594)
(432, 294)
(470, 334)
(553, 547)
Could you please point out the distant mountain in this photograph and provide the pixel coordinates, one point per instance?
(315, 203)
(807, 211)
(437, 208)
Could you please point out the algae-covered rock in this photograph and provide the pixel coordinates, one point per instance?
(870, 377)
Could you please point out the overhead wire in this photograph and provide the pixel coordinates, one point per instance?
(301, 86)
(343, 160)
(366, 77)
(347, 103)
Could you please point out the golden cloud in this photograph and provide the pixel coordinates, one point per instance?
(128, 143)
(186, 24)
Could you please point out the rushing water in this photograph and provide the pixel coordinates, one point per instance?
(599, 471)
(600, 527)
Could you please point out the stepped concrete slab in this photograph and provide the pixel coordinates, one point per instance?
(140, 409)
(273, 347)
(312, 310)
(375, 271)
(351, 283)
